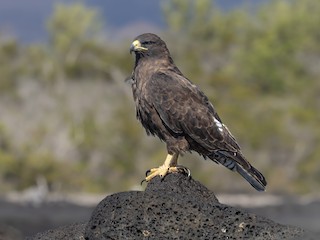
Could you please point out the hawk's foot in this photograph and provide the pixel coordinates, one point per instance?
(169, 166)
(163, 170)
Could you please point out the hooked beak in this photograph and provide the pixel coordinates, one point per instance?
(136, 47)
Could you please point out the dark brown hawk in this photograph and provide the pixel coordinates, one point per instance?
(178, 112)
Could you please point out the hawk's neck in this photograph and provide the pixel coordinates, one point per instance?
(147, 66)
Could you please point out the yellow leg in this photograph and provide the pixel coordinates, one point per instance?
(169, 165)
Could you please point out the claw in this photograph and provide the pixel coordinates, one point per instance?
(184, 170)
(189, 173)
(147, 172)
(144, 180)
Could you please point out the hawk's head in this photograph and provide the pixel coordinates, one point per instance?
(149, 44)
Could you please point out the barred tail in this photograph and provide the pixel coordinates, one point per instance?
(236, 162)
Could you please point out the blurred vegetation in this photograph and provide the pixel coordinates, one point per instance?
(68, 116)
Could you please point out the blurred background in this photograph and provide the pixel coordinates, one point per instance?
(67, 119)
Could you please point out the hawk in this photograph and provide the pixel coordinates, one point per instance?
(171, 107)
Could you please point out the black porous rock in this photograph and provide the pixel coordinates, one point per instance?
(71, 232)
(179, 207)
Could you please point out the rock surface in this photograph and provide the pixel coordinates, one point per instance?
(70, 232)
(177, 207)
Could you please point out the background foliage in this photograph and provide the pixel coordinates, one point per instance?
(67, 115)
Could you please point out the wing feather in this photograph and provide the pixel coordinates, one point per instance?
(184, 109)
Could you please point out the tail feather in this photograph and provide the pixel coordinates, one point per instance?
(254, 177)
(234, 161)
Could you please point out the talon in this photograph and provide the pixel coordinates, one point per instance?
(184, 170)
(147, 172)
(189, 173)
(144, 180)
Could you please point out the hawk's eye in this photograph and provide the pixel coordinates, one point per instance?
(148, 42)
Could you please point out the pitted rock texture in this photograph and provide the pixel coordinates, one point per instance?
(71, 232)
(178, 207)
